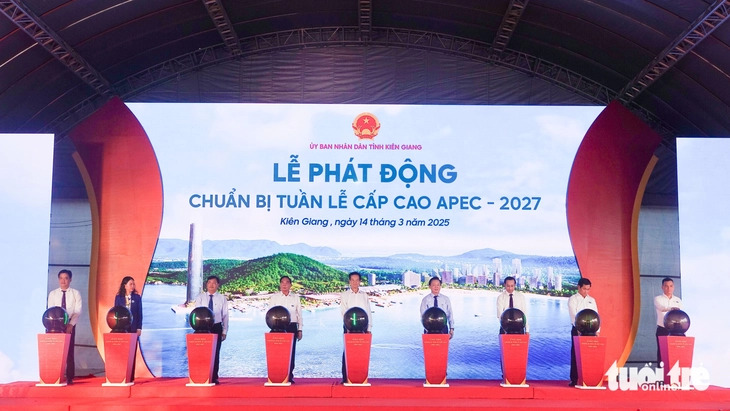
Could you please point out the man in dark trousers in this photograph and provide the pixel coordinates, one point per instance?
(217, 303)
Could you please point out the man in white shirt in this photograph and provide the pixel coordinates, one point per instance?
(509, 298)
(664, 303)
(70, 300)
(291, 302)
(354, 297)
(577, 303)
(219, 305)
(436, 299)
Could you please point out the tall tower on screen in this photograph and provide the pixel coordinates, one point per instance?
(195, 263)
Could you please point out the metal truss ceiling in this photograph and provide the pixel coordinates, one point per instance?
(28, 22)
(322, 37)
(223, 24)
(715, 15)
(591, 47)
(508, 25)
(365, 18)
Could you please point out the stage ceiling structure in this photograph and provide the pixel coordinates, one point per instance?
(667, 60)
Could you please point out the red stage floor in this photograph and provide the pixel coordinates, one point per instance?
(322, 394)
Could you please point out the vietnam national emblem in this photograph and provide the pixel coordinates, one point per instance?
(366, 126)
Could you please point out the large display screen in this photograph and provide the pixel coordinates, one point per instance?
(26, 162)
(470, 194)
(704, 238)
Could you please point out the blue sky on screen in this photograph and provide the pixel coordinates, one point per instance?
(703, 174)
(26, 161)
(497, 152)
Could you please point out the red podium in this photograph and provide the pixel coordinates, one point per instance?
(119, 352)
(278, 358)
(675, 350)
(590, 357)
(436, 358)
(52, 352)
(201, 358)
(514, 348)
(357, 358)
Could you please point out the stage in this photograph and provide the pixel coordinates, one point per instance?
(320, 394)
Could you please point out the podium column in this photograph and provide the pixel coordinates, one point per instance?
(590, 356)
(675, 350)
(52, 352)
(436, 359)
(357, 358)
(201, 357)
(514, 349)
(278, 357)
(119, 355)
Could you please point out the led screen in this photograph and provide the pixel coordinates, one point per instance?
(26, 161)
(470, 194)
(704, 231)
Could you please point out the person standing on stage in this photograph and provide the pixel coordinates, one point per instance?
(127, 296)
(509, 298)
(219, 305)
(436, 299)
(664, 303)
(354, 297)
(70, 300)
(577, 303)
(291, 302)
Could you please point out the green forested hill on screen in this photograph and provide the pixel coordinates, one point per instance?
(262, 274)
